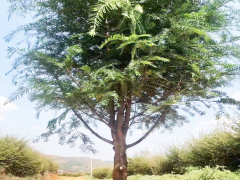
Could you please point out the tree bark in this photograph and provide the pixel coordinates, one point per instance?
(119, 137)
(120, 160)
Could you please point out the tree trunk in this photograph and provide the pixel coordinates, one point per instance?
(120, 160)
(119, 132)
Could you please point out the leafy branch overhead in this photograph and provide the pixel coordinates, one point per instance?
(126, 64)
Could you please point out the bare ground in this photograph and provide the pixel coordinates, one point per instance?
(71, 178)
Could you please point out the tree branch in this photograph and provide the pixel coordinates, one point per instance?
(139, 114)
(92, 108)
(127, 116)
(99, 116)
(69, 74)
(91, 116)
(90, 129)
(161, 119)
(120, 115)
(112, 119)
(164, 97)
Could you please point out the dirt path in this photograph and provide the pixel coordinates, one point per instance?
(71, 178)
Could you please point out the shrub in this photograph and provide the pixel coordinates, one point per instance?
(47, 165)
(212, 149)
(19, 159)
(208, 173)
(53, 167)
(172, 162)
(218, 148)
(139, 164)
(147, 163)
(102, 172)
(193, 174)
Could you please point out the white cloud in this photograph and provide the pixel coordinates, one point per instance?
(7, 107)
(236, 96)
(2, 118)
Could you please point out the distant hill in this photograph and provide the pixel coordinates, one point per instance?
(78, 164)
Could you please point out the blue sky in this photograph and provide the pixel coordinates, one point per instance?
(19, 119)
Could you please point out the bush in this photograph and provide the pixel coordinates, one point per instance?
(147, 163)
(212, 149)
(140, 164)
(208, 173)
(172, 162)
(193, 174)
(19, 159)
(102, 172)
(218, 148)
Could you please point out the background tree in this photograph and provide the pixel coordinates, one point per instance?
(126, 64)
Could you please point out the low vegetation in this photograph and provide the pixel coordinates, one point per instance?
(206, 173)
(103, 172)
(212, 156)
(47, 176)
(145, 163)
(73, 174)
(217, 148)
(18, 159)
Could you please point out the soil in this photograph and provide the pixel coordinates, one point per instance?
(71, 178)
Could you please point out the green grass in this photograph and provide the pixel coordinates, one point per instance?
(206, 173)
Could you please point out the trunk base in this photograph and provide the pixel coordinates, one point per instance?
(120, 162)
(120, 175)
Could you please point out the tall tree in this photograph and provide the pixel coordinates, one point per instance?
(125, 64)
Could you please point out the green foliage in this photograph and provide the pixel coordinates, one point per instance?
(147, 163)
(172, 162)
(217, 148)
(154, 177)
(193, 174)
(163, 55)
(144, 163)
(19, 159)
(210, 174)
(102, 172)
(138, 166)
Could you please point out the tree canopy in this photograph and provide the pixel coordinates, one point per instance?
(127, 64)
